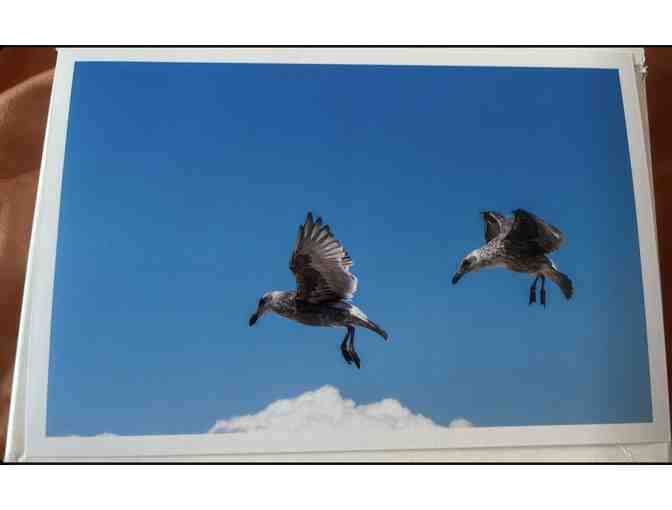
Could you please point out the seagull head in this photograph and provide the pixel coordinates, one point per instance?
(472, 262)
(265, 304)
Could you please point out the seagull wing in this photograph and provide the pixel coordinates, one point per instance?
(321, 265)
(495, 224)
(533, 233)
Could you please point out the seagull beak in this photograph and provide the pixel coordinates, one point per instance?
(253, 319)
(457, 276)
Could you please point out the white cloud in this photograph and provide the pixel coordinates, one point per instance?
(102, 434)
(326, 410)
(460, 423)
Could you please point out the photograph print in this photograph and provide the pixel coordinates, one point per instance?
(309, 250)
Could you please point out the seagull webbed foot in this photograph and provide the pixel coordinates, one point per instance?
(344, 350)
(355, 358)
(351, 349)
(543, 298)
(351, 356)
(348, 348)
(533, 295)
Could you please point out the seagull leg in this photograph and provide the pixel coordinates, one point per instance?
(533, 291)
(543, 291)
(351, 348)
(344, 346)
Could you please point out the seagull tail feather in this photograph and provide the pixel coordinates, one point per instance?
(563, 281)
(369, 324)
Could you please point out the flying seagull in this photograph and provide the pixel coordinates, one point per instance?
(325, 287)
(519, 244)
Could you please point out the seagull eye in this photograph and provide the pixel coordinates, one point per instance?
(261, 302)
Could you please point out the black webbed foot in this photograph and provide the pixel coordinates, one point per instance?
(355, 358)
(543, 298)
(344, 349)
(348, 348)
(351, 349)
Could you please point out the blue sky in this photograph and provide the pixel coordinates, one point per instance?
(183, 188)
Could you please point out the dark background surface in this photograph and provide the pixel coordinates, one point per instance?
(24, 92)
(659, 98)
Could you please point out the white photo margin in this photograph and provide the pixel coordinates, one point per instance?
(27, 440)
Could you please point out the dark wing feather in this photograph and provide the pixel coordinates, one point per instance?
(321, 265)
(495, 224)
(533, 233)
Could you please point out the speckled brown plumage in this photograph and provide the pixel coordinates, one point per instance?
(325, 287)
(519, 244)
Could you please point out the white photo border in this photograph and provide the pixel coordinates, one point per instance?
(28, 432)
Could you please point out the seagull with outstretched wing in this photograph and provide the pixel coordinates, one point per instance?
(519, 244)
(325, 287)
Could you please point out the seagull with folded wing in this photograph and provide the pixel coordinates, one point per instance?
(325, 287)
(519, 244)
